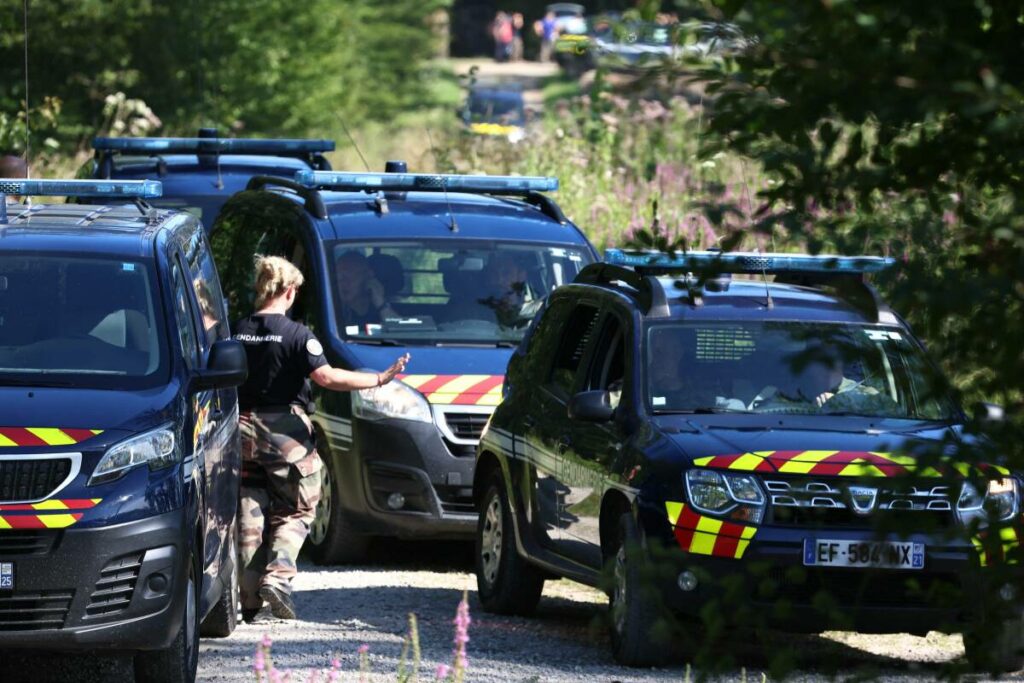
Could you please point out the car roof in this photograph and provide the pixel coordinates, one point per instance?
(121, 230)
(747, 300)
(186, 173)
(420, 215)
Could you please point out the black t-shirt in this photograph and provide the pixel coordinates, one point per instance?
(281, 354)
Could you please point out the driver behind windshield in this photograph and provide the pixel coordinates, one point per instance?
(815, 376)
(505, 289)
(360, 293)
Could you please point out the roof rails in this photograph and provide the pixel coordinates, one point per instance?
(208, 146)
(135, 190)
(647, 291)
(843, 273)
(313, 202)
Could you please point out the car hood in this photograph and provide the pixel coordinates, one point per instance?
(48, 417)
(870, 452)
(457, 375)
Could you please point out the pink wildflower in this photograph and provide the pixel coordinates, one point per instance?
(442, 672)
(258, 660)
(462, 622)
(266, 641)
(363, 649)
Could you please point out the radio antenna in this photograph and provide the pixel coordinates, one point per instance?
(452, 225)
(28, 139)
(353, 141)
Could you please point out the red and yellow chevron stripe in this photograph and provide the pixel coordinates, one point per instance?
(460, 390)
(58, 514)
(44, 436)
(702, 535)
(834, 463)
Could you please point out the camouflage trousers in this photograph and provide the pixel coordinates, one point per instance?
(280, 490)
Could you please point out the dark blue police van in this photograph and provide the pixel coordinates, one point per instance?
(119, 442)
(200, 174)
(449, 268)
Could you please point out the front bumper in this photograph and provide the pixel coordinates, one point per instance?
(771, 586)
(434, 475)
(114, 588)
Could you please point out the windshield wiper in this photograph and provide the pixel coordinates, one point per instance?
(703, 411)
(40, 382)
(375, 341)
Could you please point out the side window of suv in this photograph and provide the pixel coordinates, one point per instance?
(184, 320)
(575, 336)
(207, 288)
(607, 370)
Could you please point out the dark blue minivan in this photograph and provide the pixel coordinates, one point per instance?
(119, 442)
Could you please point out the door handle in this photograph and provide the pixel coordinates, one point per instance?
(564, 444)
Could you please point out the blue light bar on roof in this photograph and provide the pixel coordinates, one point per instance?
(212, 145)
(425, 182)
(746, 262)
(114, 189)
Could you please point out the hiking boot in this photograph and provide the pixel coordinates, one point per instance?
(255, 615)
(281, 605)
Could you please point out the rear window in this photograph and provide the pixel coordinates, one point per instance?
(82, 322)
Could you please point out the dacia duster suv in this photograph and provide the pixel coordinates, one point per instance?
(771, 447)
(449, 268)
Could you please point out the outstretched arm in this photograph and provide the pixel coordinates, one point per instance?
(337, 379)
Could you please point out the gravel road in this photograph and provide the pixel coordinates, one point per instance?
(343, 608)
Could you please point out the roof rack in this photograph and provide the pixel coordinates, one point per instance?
(310, 151)
(312, 200)
(135, 190)
(426, 182)
(647, 291)
(845, 274)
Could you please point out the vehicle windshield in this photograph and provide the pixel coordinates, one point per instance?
(446, 291)
(791, 368)
(82, 322)
(505, 110)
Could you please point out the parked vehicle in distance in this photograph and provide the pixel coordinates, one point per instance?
(758, 444)
(200, 174)
(496, 112)
(448, 268)
(119, 442)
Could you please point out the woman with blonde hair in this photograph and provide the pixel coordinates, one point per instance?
(280, 465)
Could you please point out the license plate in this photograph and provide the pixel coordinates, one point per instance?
(820, 552)
(6, 576)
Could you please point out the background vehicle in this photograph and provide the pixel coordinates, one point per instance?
(495, 111)
(399, 459)
(763, 443)
(200, 174)
(119, 443)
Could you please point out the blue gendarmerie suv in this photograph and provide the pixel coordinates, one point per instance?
(200, 174)
(449, 268)
(119, 442)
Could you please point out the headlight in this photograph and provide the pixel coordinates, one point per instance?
(999, 503)
(737, 496)
(394, 399)
(157, 448)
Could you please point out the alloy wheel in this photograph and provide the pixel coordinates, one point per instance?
(490, 541)
(322, 521)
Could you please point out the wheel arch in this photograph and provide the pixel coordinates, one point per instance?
(487, 464)
(613, 506)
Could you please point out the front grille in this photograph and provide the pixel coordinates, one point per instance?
(859, 588)
(469, 426)
(113, 591)
(13, 543)
(827, 502)
(34, 611)
(31, 479)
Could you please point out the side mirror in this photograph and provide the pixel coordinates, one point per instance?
(988, 412)
(226, 367)
(591, 406)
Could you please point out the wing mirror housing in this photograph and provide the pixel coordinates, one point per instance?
(988, 412)
(591, 406)
(226, 367)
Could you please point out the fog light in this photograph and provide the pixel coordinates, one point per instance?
(157, 583)
(687, 581)
(1008, 592)
(396, 501)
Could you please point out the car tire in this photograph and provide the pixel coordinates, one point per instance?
(506, 583)
(179, 662)
(634, 608)
(223, 618)
(996, 648)
(331, 539)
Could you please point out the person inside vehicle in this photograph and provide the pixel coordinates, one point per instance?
(505, 287)
(361, 294)
(817, 378)
(678, 382)
(280, 464)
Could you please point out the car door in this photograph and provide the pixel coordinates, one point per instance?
(594, 447)
(546, 426)
(216, 431)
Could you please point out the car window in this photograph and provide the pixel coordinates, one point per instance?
(80, 321)
(575, 338)
(607, 368)
(184, 321)
(207, 289)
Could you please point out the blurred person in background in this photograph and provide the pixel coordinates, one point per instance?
(503, 34)
(517, 36)
(545, 30)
